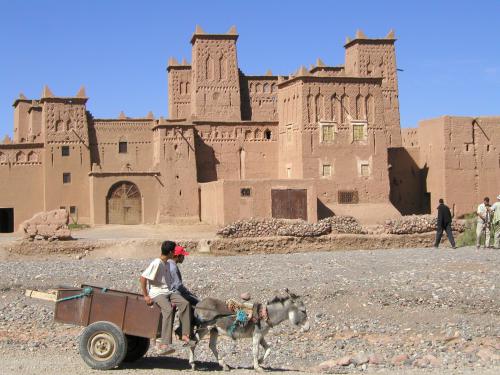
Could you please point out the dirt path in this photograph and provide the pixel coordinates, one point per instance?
(420, 305)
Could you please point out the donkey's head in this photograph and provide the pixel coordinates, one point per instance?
(295, 309)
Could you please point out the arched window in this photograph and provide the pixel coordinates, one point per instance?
(267, 88)
(32, 157)
(21, 157)
(344, 114)
(360, 108)
(268, 134)
(370, 109)
(59, 127)
(3, 158)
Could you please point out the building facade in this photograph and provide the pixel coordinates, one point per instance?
(306, 145)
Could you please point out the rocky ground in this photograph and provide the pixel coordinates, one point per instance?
(383, 311)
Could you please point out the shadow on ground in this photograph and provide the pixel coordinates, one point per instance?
(172, 363)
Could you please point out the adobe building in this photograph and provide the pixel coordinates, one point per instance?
(454, 158)
(320, 141)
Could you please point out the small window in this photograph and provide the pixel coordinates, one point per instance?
(62, 207)
(365, 170)
(268, 134)
(122, 147)
(245, 192)
(348, 197)
(289, 134)
(66, 178)
(358, 132)
(327, 170)
(65, 151)
(72, 210)
(327, 133)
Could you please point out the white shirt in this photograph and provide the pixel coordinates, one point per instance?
(156, 274)
(483, 210)
(496, 209)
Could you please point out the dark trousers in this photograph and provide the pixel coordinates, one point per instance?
(449, 233)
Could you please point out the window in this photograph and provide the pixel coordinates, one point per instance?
(348, 197)
(65, 151)
(327, 170)
(289, 134)
(327, 133)
(358, 132)
(122, 147)
(66, 178)
(62, 207)
(365, 169)
(72, 210)
(268, 134)
(245, 192)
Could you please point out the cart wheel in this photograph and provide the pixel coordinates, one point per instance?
(103, 345)
(136, 348)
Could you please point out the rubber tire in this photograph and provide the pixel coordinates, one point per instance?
(111, 330)
(136, 348)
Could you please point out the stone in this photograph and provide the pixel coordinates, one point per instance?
(487, 355)
(360, 359)
(47, 225)
(327, 365)
(344, 361)
(375, 359)
(399, 359)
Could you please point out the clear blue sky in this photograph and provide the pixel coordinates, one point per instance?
(449, 50)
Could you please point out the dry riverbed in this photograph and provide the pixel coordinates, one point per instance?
(407, 311)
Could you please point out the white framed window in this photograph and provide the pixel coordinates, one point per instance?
(365, 169)
(326, 170)
(359, 131)
(289, 134)
(327, 131)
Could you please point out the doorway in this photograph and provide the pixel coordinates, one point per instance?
(6, 220)
(124, 204)
(289, 203)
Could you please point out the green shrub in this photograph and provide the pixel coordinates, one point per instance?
(468, 237)
(76, 226)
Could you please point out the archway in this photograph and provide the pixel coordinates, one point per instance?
(124, 204)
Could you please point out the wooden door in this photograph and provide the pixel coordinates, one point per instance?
(289, 203)
(124, 204)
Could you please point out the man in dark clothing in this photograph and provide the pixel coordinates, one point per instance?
(444, 223)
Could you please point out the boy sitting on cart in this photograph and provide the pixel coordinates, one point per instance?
(166, 289)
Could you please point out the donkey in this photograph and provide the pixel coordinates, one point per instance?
(215, 318)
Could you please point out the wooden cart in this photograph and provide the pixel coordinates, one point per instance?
(118, 325)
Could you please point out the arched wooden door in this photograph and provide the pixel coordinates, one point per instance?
(124, 204)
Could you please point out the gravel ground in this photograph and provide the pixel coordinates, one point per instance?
(383, 311)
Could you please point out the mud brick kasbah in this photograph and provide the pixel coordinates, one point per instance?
(323, 140)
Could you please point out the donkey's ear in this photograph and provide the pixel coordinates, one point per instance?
(290, 294)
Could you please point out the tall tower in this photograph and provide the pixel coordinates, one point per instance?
(215, 88)
(369, 57)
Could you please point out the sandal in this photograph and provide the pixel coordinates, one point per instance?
(164, 349)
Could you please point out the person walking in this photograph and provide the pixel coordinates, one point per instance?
(496, 222)
(483, 223)
(444, 224)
